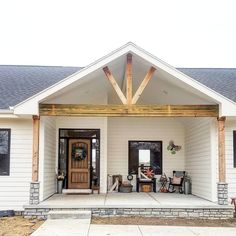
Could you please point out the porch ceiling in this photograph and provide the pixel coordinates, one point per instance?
(163, 88)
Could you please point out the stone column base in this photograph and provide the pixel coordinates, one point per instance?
(34, 193)
(222, 193)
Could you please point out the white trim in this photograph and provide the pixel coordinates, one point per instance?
(30, 106)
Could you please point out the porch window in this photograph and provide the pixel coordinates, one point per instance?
(234, 147)
(147, 153)
(5, 151)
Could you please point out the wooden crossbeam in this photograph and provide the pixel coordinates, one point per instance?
(115, 85)
(129, 92)
(129, 110)
(143, 85)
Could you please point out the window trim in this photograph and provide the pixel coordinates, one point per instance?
(9, 151)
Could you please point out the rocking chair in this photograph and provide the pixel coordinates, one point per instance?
(176, 180)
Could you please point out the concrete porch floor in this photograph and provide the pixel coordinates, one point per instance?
(124, 200)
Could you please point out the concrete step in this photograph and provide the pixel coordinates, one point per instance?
(77, 191)
(69, 214)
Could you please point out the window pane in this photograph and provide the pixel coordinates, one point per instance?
(4, 151)
(144, 157)
(3, 142)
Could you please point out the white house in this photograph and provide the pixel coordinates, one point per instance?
(127, 96)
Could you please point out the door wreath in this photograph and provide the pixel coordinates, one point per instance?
(78, 153)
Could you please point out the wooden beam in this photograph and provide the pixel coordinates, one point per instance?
(114, 85)
(129, 110)
(221, 148)
(129, 77)
(143, 85)
(35, 154)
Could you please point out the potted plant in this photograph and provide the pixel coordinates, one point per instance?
(60, 179)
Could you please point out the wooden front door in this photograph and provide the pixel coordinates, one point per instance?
(79, 164)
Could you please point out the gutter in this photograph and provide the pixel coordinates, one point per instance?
(6, 111)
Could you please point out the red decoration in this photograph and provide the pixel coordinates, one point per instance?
(149, 173)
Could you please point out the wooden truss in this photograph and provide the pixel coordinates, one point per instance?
(129, 98)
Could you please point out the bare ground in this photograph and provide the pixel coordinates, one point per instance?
(161, 221)
(18, 226)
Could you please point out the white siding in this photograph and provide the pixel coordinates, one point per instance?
(90, 123)
(121, 130)
(14, 189)
(230, 170)
(47, 156)
(200, 157)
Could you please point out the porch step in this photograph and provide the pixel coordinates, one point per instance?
(77, 191)
(69, 214)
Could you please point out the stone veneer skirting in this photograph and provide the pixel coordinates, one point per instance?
(222, 193)
(200, 213)
(34, 193)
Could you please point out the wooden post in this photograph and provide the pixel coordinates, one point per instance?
(35, 154)
(221, 148)
(129, 92)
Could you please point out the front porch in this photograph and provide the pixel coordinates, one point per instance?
(130, 200)
(133, 204)
(122, 132)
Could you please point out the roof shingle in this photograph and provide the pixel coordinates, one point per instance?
(17, 83)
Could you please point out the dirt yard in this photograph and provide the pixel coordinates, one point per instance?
(158, 221)
(18, 226)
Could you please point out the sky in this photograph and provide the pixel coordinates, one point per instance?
(183, 33)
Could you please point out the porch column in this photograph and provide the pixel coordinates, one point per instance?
(222, 186)
(34, 185)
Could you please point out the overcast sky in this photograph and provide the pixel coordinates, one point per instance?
(184, 33)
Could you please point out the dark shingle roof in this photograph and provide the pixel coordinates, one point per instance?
(17, 83)
(222, 80)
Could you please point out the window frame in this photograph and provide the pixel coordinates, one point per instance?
(234, 148)
(145, 141)
(9, 152)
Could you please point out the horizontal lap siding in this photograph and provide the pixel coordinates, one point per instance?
(50, 146)
(14, 189)
(90, 123)
(198, 156)
(230, 170)
(121, 130)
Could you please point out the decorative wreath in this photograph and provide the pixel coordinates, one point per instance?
(78, 153)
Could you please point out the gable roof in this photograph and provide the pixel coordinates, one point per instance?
(30, 105)
(17, 83)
